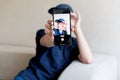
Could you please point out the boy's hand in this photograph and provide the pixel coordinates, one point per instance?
(48, 38)
(49, 29)
(75, 20)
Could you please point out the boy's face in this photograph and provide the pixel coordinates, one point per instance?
(60, 25)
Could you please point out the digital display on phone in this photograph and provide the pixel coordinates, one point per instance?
(62, 24)
(62, 27)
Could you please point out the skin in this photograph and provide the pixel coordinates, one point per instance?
(85, 54)
(63, 26)
(60, 25)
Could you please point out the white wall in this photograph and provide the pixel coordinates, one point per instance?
(19, 20)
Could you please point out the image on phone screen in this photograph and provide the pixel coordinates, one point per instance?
(61, 24)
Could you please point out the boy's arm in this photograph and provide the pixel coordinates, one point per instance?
(85, 54)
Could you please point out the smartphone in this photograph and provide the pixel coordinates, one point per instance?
(62, 27)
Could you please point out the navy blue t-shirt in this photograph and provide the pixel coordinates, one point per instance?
(57, 32)
(48, 63)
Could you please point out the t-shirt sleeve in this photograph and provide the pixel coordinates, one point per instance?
(40, 33)
(75, 48)
(39, 48)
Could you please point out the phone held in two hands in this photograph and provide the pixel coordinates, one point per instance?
(62, 27)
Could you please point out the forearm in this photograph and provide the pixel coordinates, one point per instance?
(85, 52)
(46, 41)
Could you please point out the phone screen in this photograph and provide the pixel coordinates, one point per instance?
(62, 24)
(62, 27)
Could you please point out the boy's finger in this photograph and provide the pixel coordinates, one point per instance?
(50, 22)
(51, 33)
(72, 14)
(47, 31)
(47, 26)
(77, 13)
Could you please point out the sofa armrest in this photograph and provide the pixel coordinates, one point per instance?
(103, 67)
(13, 59)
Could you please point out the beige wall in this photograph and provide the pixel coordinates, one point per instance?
(19, 20)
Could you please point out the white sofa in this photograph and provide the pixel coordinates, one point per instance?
(103, 67)
(14, 58)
